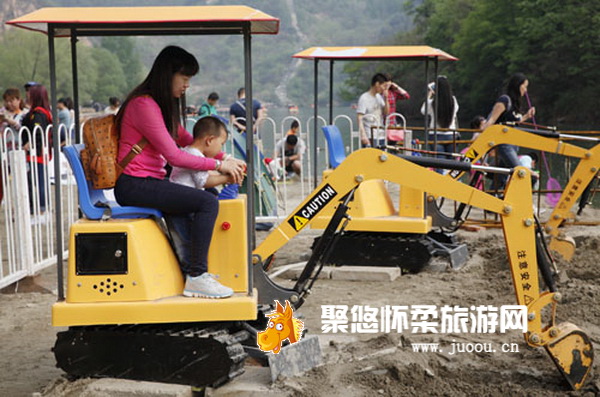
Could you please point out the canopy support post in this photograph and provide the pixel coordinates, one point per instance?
(75, 82)
(250, 213)
(56, 152)
(435, 110)
(315, 124)
(331, 92)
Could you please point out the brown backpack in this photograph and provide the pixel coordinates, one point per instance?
(99, 157)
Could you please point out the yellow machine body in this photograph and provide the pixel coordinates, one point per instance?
(372, 210)
(139, 279)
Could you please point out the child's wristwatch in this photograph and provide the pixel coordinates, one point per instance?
(217, 165)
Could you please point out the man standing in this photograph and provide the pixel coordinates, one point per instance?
(209, 107)
(370, 111)
(237, 111)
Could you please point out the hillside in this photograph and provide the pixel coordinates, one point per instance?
(277, 77)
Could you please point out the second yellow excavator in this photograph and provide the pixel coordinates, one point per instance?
(550, 141)
(568, 346)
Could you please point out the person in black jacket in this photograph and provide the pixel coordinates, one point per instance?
(37, 142)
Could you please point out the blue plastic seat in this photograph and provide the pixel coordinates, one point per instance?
(335, 145)
(92, 202)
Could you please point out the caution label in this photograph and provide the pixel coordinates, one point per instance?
(314, 205)
(471, 154)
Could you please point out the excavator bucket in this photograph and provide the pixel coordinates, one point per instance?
(564, 245)
(573, 354)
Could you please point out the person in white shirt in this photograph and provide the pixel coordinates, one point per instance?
(447, 111)
(210, 134)
(114, 105)
(370, 110)
(290, 149)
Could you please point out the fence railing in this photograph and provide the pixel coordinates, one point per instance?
(27, 207)
(27, 194)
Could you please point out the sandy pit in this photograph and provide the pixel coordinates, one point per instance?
(385, 364)
(371, 364)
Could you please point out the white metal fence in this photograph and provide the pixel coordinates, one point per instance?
(27, 210)
(28, 232)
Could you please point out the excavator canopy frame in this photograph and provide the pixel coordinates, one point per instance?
(365, 53)
(74, 22)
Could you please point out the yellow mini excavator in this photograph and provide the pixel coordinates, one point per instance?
(126, 316)
(568, 346)
(550, 141)
(381, 234)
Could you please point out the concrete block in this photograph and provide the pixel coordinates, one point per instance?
(130, 388)
(296, 358)
(365, 273)
(293, 272)
(255, 382)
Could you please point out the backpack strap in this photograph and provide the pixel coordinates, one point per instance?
(135, 150)
(241, 105)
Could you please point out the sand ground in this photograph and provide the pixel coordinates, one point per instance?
(372, 364)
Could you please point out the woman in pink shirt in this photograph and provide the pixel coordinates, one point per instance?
(154, 110)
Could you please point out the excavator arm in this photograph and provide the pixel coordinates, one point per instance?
(547, 141)
(364, 165)
(569, 347)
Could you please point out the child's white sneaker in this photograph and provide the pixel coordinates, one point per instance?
(205, 286)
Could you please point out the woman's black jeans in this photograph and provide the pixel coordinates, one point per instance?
(507, 158)
(197, 206)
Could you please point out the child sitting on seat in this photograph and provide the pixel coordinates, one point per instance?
(210, 134)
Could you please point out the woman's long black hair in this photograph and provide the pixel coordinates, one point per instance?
(445, 99)
(513, 90)
(159, 85)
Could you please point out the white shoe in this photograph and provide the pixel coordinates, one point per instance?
(205, 286)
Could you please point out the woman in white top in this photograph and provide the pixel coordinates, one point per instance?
(447, 110)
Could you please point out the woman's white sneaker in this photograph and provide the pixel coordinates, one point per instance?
(205, 286)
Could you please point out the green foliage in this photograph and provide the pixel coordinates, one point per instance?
(554, 43)
(124, 48)
(319, 23)
(111, 79)
(484, 42)
(110, 70)
(24, 58)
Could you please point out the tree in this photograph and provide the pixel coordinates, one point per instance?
(484, 42)
(554, 43)
(559, 45)
(111, 78)
(124, 48)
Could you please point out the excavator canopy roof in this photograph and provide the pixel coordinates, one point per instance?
(96, 21)
(408, 52)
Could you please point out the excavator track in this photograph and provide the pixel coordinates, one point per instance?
(407, 251)
(191, 354)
